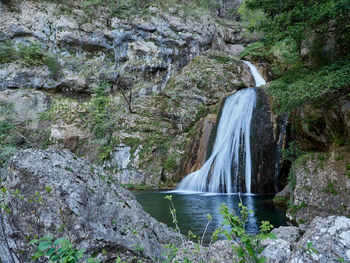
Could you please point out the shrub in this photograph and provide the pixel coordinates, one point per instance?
(30, 55)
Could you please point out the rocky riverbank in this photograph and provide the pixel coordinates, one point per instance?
(54, 193)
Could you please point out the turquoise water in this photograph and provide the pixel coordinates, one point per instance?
(191, 210)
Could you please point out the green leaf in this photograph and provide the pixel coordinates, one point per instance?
(50, 252)
(272, 236)
(61, 241)
(33, 241)
(38, 254)
(44, 245)
(262, 260)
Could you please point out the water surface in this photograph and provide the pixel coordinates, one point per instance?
(191, 209)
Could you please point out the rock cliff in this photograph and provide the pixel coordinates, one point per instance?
(54, 193)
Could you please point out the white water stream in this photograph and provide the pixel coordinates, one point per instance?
(231, 153)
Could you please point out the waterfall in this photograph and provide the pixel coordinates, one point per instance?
(231, 154)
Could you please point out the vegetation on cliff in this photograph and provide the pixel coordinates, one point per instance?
(307, 44)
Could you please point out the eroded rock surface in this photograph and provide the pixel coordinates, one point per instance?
(325, 240)
(321, 185)
(54, 193)
(114, 50)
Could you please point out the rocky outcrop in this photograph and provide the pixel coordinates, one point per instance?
(90, 51)
(196, 152)
(144, 141)
(282, 197)
(320, 127)
(146, 146)
(278, 250)
(325, 240)
(320, 184)
(54, 193)
(263, 145)
(24, 106)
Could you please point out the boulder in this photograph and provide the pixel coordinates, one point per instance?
(54, 193)
(278, 250)
(222, 251)
(291, 234)
(282, 197)
(326, 240)
(320, 184)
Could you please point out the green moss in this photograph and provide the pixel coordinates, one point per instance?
(339, 157)
(170, 164)
(29, 55)
(293, 209)
(303, 85)
(280, 201)
(330, 188)
(131, 186)
(301, 221)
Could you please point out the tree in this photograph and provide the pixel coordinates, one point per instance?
(302, 19)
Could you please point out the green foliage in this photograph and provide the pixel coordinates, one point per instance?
(293, 209)
(330, 188)
(301, 19)
(309, 85)
(29, 55)
(59, 250)
(53, 65)
(251, 18)
(7, 52)
(256, 51)
(292, 153)
(249, 246)
(170, 164)
(7, 149)
(310, 248)
(293, 30)
(101, 120)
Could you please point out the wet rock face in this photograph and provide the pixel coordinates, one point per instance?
(329, 236)
(263, 146)
(320, 184)
(196, 152)
(317, 128)
(61, 195)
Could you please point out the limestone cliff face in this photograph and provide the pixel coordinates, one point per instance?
(196, 149)
(325, 126)
(121, 52)
(156, 63)
(55, 193)
(320, 184)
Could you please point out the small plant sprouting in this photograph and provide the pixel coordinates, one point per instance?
(59, 250)
(247, 246)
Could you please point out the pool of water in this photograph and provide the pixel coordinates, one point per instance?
(191, 210)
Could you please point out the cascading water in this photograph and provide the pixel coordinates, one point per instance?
(231, 153)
